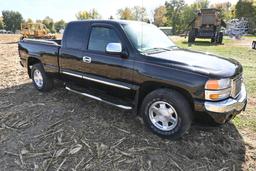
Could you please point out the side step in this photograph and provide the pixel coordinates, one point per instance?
(98, 98)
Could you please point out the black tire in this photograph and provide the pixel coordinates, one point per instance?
(213, 40)
(178, 102)
(47, 83)
(191, 36)
(253, 45)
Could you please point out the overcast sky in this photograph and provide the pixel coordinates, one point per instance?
(66, 9)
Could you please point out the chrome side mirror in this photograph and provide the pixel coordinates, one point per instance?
(114, 48)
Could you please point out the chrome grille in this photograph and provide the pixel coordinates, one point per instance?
(236, 86)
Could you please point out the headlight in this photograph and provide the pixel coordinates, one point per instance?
(217, 89)
(218, 84)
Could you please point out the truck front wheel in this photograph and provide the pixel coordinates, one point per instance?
(166, 113)
(40, 80)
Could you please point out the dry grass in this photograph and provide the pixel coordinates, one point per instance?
(63, 131)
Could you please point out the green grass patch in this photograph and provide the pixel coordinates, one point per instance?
(241, 122)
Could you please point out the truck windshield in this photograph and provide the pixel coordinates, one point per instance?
(147, 37)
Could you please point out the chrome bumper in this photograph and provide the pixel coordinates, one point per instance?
(229, 105)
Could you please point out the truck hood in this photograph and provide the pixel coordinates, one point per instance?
(203, 63)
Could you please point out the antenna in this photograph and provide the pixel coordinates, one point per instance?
(142, 18)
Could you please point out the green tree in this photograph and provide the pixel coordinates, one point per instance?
(225, 9)
(247, 10)
(39, 21)
(199, 4)
(160, 18)
(174, 9)
(186, 17)
(12, 20)
(95, 14)
(30, 20)
(1, 23)
(136, 13)
(49, 23)
(139, 13)
(125, 14)
(85, 15)
(59, 25)
(82, 15)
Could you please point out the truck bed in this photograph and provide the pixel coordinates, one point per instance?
(46, 51)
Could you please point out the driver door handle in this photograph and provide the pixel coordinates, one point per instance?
(87, 59)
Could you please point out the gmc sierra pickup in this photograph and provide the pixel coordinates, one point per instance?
(134, 66)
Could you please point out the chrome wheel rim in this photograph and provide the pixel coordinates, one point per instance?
(38, 78)
(163, 116)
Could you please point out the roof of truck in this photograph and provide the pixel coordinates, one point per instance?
(108, 21)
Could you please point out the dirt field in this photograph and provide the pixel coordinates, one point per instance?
(62, 131)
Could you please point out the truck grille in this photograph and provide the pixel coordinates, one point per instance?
(236, 86)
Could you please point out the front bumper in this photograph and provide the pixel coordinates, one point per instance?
(225, 110)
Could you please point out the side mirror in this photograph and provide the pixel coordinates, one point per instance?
(114, 48)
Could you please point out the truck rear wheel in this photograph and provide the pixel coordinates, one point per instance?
(40, 80)
(166, 113)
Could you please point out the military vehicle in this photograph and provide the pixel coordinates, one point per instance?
(36, 31)
(207, 24)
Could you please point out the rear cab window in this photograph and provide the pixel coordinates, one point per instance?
(76, 35)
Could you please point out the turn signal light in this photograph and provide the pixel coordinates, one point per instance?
(214, 96)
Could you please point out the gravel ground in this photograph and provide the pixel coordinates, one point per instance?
(62, 131)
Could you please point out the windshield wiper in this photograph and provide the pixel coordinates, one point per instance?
(156, 49)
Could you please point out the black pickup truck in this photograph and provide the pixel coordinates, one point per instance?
(134, 66)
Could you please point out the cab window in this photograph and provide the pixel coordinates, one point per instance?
(100, 37)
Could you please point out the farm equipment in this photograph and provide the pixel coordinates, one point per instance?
(207, 25)
(237, 28)
(36, 31)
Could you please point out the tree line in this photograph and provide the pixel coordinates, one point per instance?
(12, 20)
(174, 13)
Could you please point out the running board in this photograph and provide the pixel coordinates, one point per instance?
(98, 98)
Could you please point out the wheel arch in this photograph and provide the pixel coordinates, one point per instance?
(31, 61)
(148, 87)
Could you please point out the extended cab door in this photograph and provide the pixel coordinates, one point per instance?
(115, 68)
(107, 72)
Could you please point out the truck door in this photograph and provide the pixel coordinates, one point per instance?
(108, 72)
